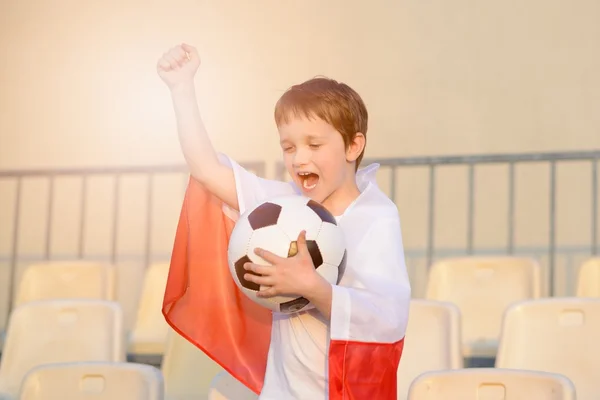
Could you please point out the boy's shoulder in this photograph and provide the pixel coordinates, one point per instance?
(373, 201)
(373, 207)
(373, 224)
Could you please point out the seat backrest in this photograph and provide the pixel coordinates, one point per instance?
(432, 341)
(150, 332)
(557, 335)
(66, 280)
(496, 282)
(588, 279)
(54, 331)
(93, 381)
(226, 387)
(491, 384)
(188, 372)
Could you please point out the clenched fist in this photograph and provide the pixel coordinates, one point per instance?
(178, 65)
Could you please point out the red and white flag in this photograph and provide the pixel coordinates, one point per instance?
(204, 305)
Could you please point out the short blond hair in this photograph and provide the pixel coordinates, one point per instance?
(334, 102)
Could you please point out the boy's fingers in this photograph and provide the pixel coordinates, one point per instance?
(302, 247)
(259, 280)
(164, 65)
(188, 49)
(258, 269)
(267, 255)
(265, 293)
(172, 61)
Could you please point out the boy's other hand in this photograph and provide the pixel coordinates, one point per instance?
(285, 276)
(178, 65)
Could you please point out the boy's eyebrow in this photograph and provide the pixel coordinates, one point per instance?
(312, 137)
(309, 137)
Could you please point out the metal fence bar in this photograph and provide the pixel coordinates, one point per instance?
(471, 209)
(552, 227)
(487, 158)
(393, 184)
(49, 219)
(94, 171)
(115, 227)
(259, 168)
(431, 216)
(511, 208)
(82, 213)
(12, 273)
(149, 205)
(594, 207)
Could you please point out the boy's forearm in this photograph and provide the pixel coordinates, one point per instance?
(321, 297)
(195, 143)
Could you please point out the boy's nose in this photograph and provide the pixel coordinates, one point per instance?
(301, 158)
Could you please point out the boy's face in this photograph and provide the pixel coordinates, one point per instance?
(317, 160)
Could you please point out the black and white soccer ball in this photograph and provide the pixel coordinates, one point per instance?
(274, 225)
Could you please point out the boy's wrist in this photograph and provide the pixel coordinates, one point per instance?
(320, 293)
(183, 88)
(316, 288)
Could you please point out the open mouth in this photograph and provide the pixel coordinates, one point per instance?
(309, 180)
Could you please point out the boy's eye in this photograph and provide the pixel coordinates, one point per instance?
(288, 149)
(315, 146)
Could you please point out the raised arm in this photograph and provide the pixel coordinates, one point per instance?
(177, 68)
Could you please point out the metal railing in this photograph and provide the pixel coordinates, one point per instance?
(511, 161)
(432, 164)
(51, 175)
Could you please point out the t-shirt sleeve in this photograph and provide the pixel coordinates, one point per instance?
(251, 189)
(372, 305)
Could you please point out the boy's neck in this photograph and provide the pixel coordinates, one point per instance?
(343, 197)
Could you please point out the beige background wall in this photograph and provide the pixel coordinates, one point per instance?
(78, 87)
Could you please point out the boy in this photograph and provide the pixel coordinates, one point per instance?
(349, 345)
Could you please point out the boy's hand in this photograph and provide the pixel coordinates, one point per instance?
(178, 65)
(286, 276)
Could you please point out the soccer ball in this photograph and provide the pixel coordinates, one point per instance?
(274, 225)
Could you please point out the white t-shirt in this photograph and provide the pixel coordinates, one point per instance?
(298, 352)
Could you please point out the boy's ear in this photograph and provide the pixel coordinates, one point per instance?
(356, 147)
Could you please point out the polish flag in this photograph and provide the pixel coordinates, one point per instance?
(204, 305)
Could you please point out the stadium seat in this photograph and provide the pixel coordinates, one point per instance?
(588, 279)
(187, 371)
(558, 335)
(432, 341)
(53, 331)
(68, 279)
(93, 381)
(482, 288)
(226, 387)
(149, 335)
(491, 384)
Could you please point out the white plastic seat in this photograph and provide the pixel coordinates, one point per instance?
(588, 279)
(187, 371)
(55, 331)
(432, 341)
(67, 280)
(558, 335)
(226, 387)
(482, 288)
(150, 333)
(491, 384)
(93, 381)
